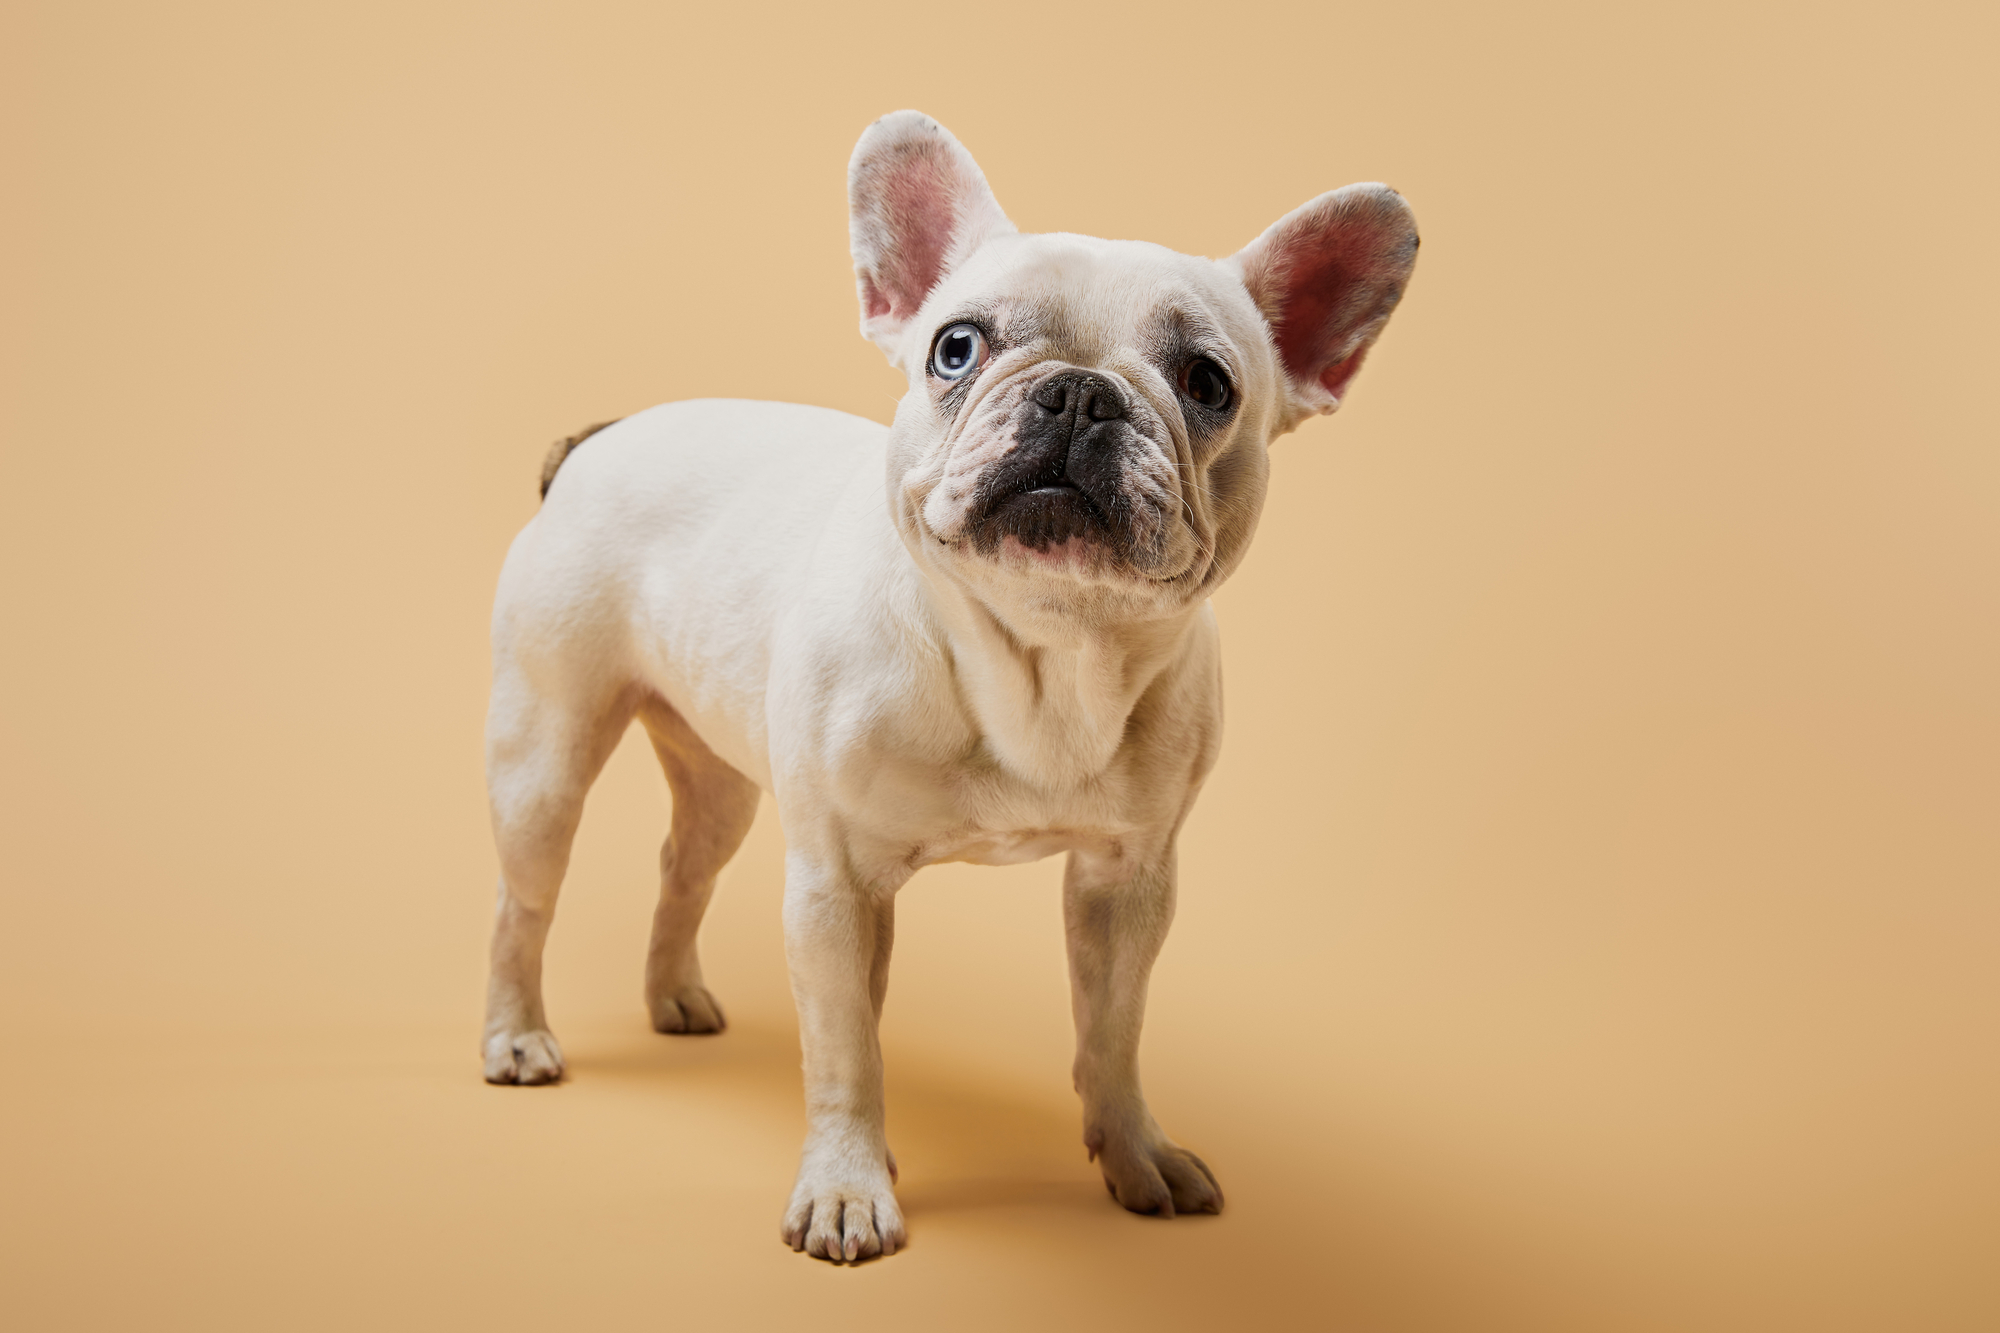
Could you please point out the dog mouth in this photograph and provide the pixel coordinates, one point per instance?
(1042, 513)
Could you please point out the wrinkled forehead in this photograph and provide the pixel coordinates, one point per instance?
(1083, 299)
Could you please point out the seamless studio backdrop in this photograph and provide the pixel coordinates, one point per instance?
(1591, 925)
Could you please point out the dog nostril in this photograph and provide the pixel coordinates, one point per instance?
(1088, 394)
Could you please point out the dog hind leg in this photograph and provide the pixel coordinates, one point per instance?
(713, 809)
(541, 758)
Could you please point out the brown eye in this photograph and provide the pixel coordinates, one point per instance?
(1203, 381)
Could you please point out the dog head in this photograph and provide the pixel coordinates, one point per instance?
(1087, 420)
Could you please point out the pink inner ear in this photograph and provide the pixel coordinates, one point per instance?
(1321, 271)
(1335, 377)
(918, 201)
(874, 305)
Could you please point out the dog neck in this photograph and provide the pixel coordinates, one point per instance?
(1051, 693)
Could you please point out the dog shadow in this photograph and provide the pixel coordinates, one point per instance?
(963, 1145)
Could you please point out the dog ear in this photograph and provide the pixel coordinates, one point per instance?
(1327, 275)
(917, 206)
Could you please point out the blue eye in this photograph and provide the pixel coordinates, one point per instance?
(960, 350)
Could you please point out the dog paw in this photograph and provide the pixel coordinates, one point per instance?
(523, 1057)
(688, 1010)
(845, 1221)
(1159, 1177)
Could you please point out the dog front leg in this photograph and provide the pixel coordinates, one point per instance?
(838, 933)
(1116, 911)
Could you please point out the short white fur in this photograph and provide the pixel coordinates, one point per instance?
(797, 601)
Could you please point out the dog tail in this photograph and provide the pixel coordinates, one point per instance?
(562, 449)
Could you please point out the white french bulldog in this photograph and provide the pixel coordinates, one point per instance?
(979, 634)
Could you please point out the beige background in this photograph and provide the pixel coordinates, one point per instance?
(1591, 925)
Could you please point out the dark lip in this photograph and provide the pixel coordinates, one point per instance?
(1050, 490)
(1039, 514)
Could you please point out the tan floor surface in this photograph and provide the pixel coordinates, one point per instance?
(1592, 925)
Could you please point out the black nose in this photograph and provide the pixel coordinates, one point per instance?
(1081, 392)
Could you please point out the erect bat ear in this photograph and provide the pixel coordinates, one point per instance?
(1327, 275)
(917, 206)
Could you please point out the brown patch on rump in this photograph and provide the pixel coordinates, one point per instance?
(561, 449)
